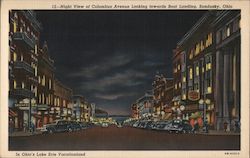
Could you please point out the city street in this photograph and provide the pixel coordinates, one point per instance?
(126, 138)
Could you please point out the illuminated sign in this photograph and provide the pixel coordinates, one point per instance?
(193, 95)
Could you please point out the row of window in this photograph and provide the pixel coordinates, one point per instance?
(23, 27)
(227, 30)
(200, 46)
(199, 77)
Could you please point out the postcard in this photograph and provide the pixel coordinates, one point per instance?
(124, 79)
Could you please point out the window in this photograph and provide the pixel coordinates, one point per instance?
(35, 49)
(14, 56)
(43, 80)
(179, 66)
(35, 91)
(190, 73)
(179, 84)
(14, 84)
(228, 31)
(175, 86)
(184, 79)
(21, 57)
(191, 54)
(197, 49)
(14, 27)
(23, 85)
(197, 70)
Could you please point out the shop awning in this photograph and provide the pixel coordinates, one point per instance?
(12, 113)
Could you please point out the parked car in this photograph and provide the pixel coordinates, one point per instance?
(180, 126)
(104, 124)
(136, 124)
(75, 126)
(57, 126)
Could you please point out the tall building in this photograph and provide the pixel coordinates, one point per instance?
(207, 69)
(145, 105)
(227, 69)
(24, 37)
(45, 101)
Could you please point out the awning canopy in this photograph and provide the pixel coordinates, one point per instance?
(12, 113)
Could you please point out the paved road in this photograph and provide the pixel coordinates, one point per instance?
(113, 138)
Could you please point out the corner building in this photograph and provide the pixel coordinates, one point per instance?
(24, 35)
(207, 82)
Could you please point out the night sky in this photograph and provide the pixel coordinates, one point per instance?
(111, 57)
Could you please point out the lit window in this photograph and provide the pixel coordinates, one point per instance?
(14, 56)
(35, 49)
(39, 79)
(197, 49)
(191, 73)
(228, 31)
(43, 80)
(21, 57)
(209, 90)
(14, 27)
(197, 70)
(175, 86)
(184, 79)
(14, 84)
(208, 66)
(179, 84)
(22, 85)
(179, 67)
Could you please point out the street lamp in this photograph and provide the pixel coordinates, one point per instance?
(204, 103)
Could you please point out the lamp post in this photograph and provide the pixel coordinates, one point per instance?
(204, 103)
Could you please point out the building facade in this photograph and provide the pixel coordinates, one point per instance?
(162, 96)
(45, 101)
(227, 69)
(62, 100)
(209, 77)
(24, 35)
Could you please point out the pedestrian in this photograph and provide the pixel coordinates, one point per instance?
(206, 125)
(237, 127)
(11, 126)
(225, 126)
(32, 127)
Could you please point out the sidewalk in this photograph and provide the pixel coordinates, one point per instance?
(215, 132)
(22, 133)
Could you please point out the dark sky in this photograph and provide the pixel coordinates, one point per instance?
(111, 57)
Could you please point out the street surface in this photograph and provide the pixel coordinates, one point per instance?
(127, 138)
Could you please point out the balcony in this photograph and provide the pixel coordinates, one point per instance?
(23, 93)
(23, 65)
(24, 38)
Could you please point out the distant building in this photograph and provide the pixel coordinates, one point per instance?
(62, 100)
(145, 105)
